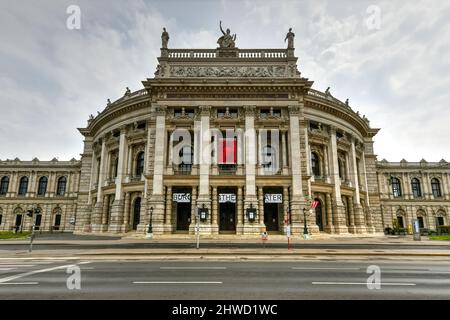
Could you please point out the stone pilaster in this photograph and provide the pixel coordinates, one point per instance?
(98, 210)
(168, 223)
(215, 212)
(340, 225)
(156, 201)
(297, 196)
(240, 212)
(193, 210)
(329, 223)
(359, 226)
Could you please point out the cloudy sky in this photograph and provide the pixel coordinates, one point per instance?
(395, 70)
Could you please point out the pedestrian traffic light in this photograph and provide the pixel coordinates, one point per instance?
(30, 212)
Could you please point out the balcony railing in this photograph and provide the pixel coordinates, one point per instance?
(183, 169)
(227, 169)
(212, 53)
(136, 178)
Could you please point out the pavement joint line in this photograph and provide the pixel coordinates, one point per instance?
(193, 268)
(362, 283)
(19, 283)
(177, 282)
(324, 268)
(21, 275)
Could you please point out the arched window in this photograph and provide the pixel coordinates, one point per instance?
(42, 186)
(415, 186)
(436, 188)
(315, 164)
(61, 187)
(23, 186)
(140, 164)
(4, 185)
(396, 187)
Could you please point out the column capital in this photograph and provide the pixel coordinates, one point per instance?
(250, 111)
(294, 110)
(205, 110)
(160, 110)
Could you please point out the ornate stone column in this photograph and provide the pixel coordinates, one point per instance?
(126, 218)
(193, 210)
(214, 217)
(359, 226)
(261, 207)
(340, 225)
(168, 226)
(98, 210)
(297, 197)
(250, 169)
(285, 165)
(329, 226)
(204, 164)
(156, 200)
(351, 214)
(240, 212)
(118, 205)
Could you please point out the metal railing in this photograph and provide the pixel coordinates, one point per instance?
(183, 169)
(227, 169)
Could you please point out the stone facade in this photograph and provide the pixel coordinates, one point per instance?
(51, 186)
(156, 155)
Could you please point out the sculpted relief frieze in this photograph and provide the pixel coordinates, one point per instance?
(228, 71)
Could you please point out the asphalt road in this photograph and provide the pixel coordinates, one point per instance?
(47, 279)
(212, 245)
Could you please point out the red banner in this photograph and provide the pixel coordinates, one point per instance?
(227, 151)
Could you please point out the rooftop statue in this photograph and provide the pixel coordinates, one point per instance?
(290, 38)
(227, 40)
(164, 38)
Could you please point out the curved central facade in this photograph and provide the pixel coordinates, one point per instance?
(237, 132)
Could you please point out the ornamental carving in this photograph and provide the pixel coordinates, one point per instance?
(229, 71)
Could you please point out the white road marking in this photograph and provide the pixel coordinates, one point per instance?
(177, 282)
(6, 269)
(323, 268)
(18, 283)
(18, 276)
(16, 265)
(193, 268)
(42, 258)
(364, 283)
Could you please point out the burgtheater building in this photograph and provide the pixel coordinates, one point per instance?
(237, 133)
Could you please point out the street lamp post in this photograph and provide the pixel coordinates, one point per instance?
(305, 224)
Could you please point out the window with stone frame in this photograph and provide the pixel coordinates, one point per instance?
(315, 164)
(396, 187)
(415, 187)
(436, 188)
(140, 159)
(61, 186)
(4, 185)
(23, 186)
(42, 186)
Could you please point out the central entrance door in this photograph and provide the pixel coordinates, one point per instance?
(181, 198)
(273, 204)
(227, 210)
